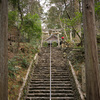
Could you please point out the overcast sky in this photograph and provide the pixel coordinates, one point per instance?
(45, 5)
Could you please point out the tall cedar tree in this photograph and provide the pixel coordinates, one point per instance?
(92, 65)
(3, 50)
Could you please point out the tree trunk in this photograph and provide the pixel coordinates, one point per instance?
(65, 32)
(3, 49)
(78, 26)
(21, 17)
(92, 65)
(63, 27)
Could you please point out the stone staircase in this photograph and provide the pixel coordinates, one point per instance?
(62, 86)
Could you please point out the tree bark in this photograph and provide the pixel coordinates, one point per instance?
(92, 65)
(63, 27)
(21, 17)
(3, 49)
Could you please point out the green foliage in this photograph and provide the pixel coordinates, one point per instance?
(53, 18)
(11, 67)
(13, 2)
(73, 22)
(24, 63)
(97, 8)
(54, 44)
(32, 26)
(45, 44)
(12, 18)
(28, 23)
(68, 41)
(17, 60)
(76, 19)
(98, 38)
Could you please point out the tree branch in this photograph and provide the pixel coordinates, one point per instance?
(70, 19)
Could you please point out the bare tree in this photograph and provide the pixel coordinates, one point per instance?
(3, 50)
(92, 65)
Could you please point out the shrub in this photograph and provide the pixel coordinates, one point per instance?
(54, 44)
(24, 63)
(98, 38)
(11, 67)
(45, 44)
(68, 40)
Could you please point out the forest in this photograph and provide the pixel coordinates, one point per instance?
(26, 26)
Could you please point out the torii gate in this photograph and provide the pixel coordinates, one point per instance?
(51, 32)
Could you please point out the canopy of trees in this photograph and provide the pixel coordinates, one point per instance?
(26, 16)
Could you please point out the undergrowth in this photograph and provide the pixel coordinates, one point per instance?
(17, 68)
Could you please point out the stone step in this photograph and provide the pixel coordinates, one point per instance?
(51, 79)
(41, 67)
(47, 82)
(48, 88)
(48, 79)
(53, 71)
(53, 74)
(38, 66)
(36, 69)
(47, 98)
(48, 91)
(48, 85)
(48, 95)
(49, 74)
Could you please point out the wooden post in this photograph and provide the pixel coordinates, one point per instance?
(58, 41)
(83, 79)
(42, 40)
(3, 49)
(91, 56)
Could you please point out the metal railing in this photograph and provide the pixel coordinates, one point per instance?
(50, 70)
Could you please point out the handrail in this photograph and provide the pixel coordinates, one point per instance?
(77, 82)
(50, 70)
(26, 77)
